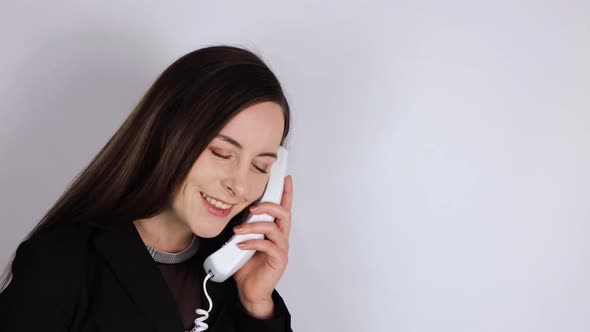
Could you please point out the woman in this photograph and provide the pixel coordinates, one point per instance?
(123, 248)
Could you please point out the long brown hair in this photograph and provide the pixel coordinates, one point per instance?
(137, 172)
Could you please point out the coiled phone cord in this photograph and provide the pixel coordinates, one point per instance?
(200, 324)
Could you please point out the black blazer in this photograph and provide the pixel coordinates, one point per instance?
(90, 277)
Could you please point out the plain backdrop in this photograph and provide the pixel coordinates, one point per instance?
(440, 150)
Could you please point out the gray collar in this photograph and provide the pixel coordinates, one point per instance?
(174, 258)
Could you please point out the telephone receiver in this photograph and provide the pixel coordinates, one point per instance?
(223, 263)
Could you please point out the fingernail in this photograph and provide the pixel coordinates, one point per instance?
(238, 229)
(253, 207)
(241, 245)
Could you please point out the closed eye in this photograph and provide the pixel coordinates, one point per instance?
(260, 169)
(219, 155)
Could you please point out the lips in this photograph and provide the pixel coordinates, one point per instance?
(215, 199)
(215, 211)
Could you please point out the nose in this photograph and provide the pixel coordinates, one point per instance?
(235, 182)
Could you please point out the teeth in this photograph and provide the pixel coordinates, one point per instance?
(216, 203)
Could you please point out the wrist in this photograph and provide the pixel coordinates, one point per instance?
(260, 310)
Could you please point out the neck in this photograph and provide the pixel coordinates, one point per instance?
(164, 232)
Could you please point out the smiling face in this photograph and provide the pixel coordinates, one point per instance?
(232, 172)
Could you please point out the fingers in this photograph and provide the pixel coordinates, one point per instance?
(278, 258)
(287, 198)
(281, 212)
(269, 229)
(286, 201)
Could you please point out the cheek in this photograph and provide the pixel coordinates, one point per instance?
(180, 200)
(258, 187)
(203, 173)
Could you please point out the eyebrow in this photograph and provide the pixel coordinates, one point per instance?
(239, 146)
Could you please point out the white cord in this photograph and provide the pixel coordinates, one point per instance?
(200, 324)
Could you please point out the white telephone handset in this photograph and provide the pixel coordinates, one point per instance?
(223, 263)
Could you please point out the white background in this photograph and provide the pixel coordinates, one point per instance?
(440, 149)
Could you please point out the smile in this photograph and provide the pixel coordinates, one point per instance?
(216, 203)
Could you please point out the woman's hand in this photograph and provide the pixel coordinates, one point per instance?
(257, 279)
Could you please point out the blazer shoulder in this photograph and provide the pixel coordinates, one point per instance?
(57, 254)
(48, 270)
(64, 248)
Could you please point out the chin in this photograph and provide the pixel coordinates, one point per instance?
(212, 228)
(207, 233)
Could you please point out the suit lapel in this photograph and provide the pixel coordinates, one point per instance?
(122, 248)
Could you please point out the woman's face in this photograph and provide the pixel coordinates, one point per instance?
(232, 171)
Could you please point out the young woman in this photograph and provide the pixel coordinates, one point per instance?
(123, 248)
